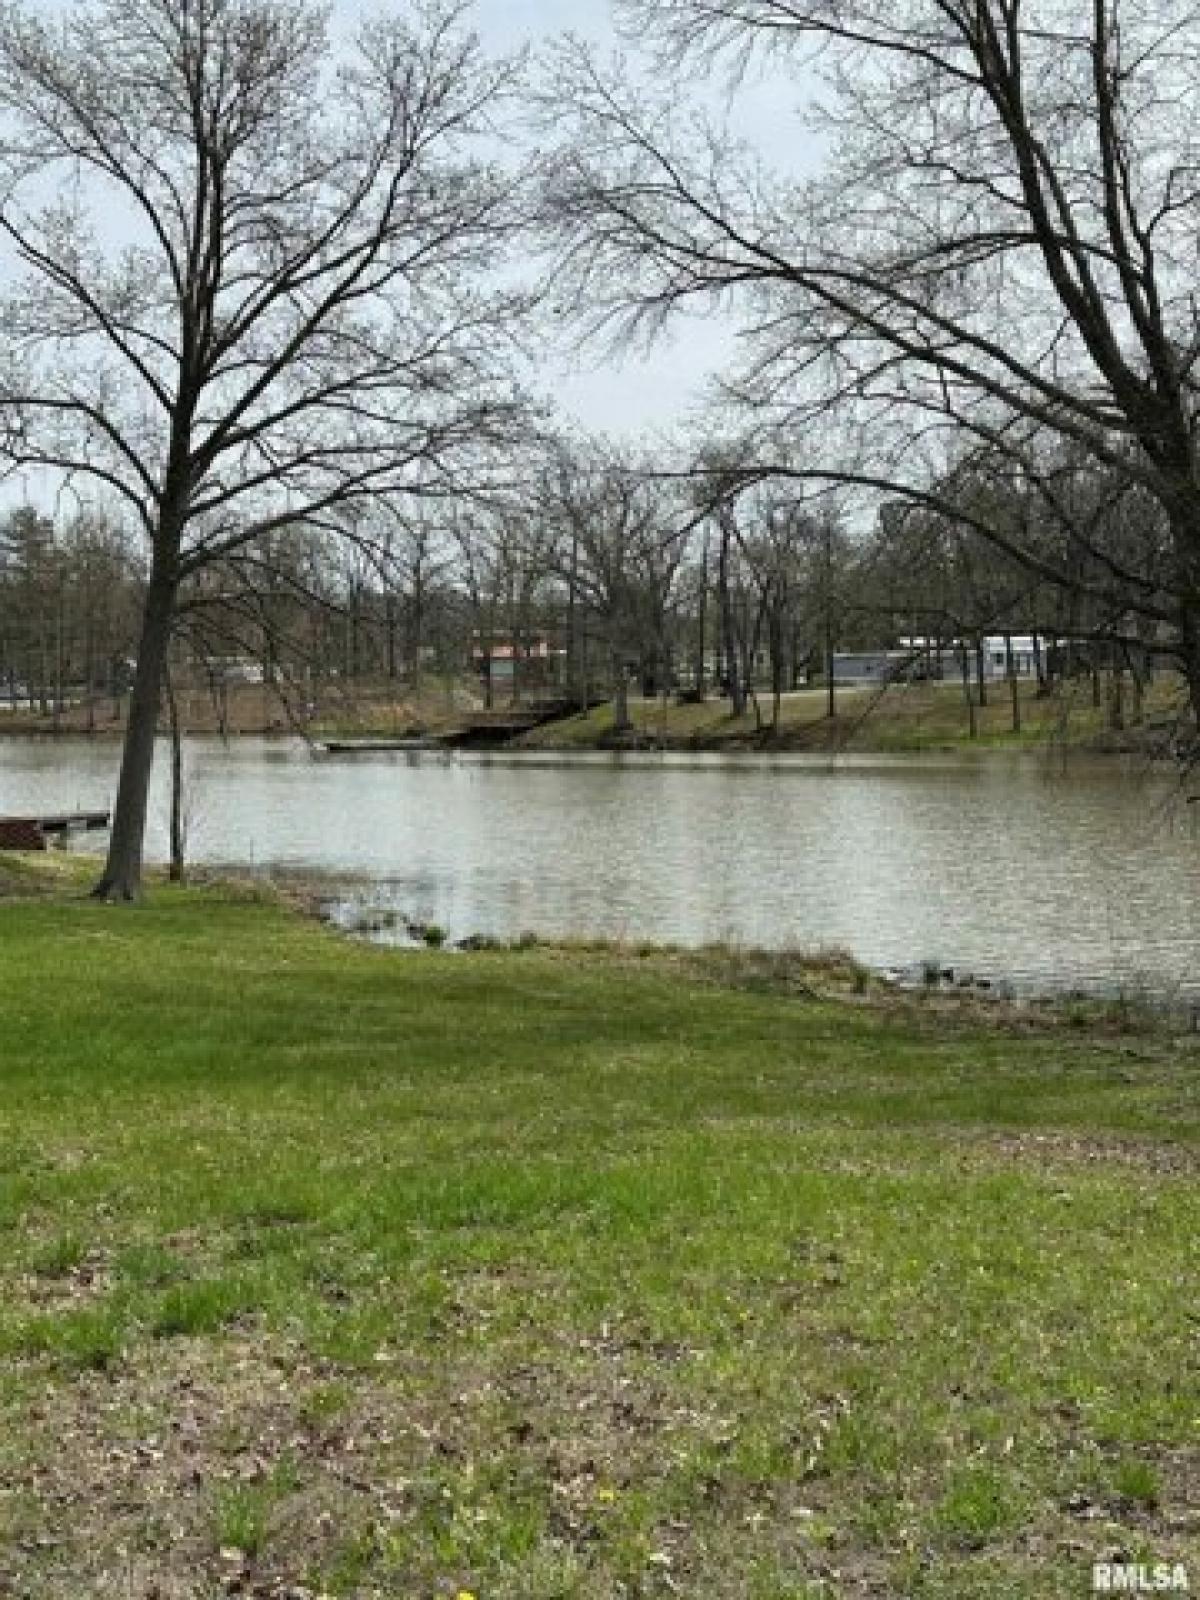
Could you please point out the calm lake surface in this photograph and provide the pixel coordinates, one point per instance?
(1007, 867)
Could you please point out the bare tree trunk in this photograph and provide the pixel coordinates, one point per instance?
(830, 681)
(972, 724)
(572, 662)
(522, 653)
(980, 670)
(746, 633)
(122, 875)
(751, 659)
(777, 663)
(59, 672)
(830, 629)
(585, 689)
(178, 830)
(1137, 684)
(1014, 688)
(1039, 667)
(621, 721)
(391, 624)
(43, 668)
(737, 691)
(702, 623)
(514, 653)
(89, 667)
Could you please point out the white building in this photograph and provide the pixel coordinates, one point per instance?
(1025, 649)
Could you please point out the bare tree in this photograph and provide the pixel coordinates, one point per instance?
(619, 536)
(260, 294)
(735, 643)
(997, 261)
(31, 562)
(479, 566)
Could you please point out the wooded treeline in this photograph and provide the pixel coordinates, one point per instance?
(606, 578)
(271, 293)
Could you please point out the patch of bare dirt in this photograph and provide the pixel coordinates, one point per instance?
(1152, 1157)
(119, 1492)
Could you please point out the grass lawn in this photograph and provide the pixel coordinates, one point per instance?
(330, 1270)
(906, 717)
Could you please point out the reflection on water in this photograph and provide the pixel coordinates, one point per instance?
(1006, 866)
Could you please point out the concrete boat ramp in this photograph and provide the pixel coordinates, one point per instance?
(479, 730)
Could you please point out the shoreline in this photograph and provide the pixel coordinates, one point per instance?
(899, 719)
(953, 995)
(833, 973)
(1149, 745)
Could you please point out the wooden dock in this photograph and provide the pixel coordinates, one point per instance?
(32, 833)
(486, 728)
(479, 729)
(372, 747)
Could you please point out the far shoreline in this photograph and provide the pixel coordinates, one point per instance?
(908, 719)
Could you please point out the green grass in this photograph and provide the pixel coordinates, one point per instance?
(904, 718)
(548, 1273)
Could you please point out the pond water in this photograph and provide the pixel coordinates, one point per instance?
(1021, 868)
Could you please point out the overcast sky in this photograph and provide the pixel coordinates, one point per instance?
(638, 395)
(633, 396)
